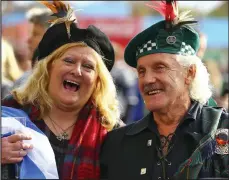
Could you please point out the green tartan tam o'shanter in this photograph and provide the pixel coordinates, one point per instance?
(174, 35)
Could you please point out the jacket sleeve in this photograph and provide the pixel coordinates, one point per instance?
(104, 158)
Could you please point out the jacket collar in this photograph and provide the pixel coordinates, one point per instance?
(194, 110)
(140, 125)
(148, 121)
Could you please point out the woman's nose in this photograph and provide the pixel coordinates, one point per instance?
(77, 71)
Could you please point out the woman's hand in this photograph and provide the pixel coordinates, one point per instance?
(13, 149)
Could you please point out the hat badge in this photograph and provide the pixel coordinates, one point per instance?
(171, 39)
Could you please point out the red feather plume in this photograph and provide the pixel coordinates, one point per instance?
(167, 9)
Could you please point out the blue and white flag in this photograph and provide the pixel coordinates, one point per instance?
(40, 162)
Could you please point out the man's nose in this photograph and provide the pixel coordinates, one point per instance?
(149, 77)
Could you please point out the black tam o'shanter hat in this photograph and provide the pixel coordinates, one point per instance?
(63, 30)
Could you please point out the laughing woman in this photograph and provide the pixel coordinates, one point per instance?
(70, 96)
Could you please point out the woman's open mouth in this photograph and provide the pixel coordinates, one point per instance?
(71, 85)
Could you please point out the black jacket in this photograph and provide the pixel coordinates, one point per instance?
(130, 152)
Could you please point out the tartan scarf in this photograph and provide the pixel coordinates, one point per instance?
(82, 158)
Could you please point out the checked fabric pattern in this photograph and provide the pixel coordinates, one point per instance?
(185, 48)
(146, 47)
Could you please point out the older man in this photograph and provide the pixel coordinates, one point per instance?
(181, 137)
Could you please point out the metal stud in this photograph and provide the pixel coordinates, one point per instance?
(149, 142)
(143, 171)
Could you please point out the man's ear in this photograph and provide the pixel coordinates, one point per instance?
(191, 73)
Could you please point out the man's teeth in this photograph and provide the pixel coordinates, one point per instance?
(154, 92)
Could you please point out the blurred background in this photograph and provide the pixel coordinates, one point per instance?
(121, 21)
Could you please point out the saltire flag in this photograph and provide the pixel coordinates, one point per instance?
(40, 162)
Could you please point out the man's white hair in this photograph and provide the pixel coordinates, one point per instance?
(200, 88)
(36, 11)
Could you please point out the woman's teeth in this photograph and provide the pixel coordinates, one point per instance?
(71, 85)
(72, 82)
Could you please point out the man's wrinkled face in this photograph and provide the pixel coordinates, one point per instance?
(161, 80)
(36, 33)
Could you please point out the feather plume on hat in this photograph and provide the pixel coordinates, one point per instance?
(169, 10)
(62, 12)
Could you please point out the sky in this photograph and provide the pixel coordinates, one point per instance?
(122, 8)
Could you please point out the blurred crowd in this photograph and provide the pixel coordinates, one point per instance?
(16, 68)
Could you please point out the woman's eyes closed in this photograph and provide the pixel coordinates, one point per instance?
(84, 65)
(88, 66)
(69, 60)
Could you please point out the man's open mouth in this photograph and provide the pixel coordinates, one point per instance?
(153, 92)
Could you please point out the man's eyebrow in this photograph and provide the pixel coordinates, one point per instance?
(139, 67)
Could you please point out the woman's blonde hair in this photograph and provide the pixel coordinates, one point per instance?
(35, 91)
(10, 68)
